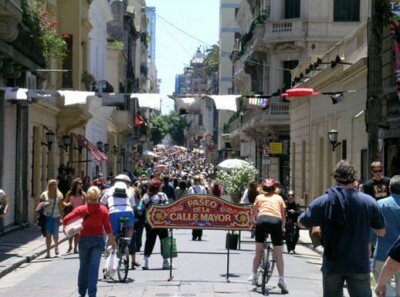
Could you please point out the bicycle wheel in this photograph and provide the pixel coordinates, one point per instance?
(123, 264)
(268, 268)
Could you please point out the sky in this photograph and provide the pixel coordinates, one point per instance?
(174, 48)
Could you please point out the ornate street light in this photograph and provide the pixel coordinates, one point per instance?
(333, 138)
(106, 147)
(50, 135)
(66, 140)
(99, 145)
(115, 149)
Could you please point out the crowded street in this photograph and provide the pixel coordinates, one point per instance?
(199, 270)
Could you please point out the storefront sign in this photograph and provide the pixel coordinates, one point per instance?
(275, 148)
(200, 212)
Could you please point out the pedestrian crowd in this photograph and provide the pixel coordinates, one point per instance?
(352, 222)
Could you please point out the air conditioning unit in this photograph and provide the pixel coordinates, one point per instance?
(30, 80)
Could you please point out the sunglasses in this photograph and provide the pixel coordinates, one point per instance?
(377, 170)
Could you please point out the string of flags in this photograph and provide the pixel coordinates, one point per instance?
(264, 100)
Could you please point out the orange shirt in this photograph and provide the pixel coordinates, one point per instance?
(270, 205)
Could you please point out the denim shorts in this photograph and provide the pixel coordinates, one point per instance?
(52, 226)
(114, 220)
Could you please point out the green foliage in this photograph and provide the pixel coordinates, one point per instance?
(117, 44)
(173, 124)
(45, 30)
(235, 181)
(211, 61)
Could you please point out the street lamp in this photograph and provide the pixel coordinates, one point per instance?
(333, 138)
(66, 140)
(115, 149)
(50, 135)
(99, 145)
(106, 147)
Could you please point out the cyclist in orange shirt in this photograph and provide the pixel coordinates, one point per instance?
(268, 213)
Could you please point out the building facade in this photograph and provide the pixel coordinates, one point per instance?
(275, 37)
(228, 33)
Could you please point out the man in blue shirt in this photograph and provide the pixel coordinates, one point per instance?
(390, 207)
(345, 217)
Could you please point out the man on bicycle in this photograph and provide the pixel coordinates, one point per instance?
(268, 213)
(120, 201)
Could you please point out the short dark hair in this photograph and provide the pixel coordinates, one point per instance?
(344, 173)
(395, 184)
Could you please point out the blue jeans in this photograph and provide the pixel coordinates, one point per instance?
(90, 249)
(357, 285)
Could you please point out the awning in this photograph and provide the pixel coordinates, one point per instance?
(75, 97)
(224, 102)
(90, 147)
(149, 100)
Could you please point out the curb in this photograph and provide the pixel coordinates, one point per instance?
(26, 259)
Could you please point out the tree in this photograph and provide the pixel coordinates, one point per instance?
(211, 61)
(173, 124)
(236, 181)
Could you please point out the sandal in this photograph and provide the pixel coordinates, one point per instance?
(47, 257)
(69, 250)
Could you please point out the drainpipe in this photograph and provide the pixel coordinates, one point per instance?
(21, 170)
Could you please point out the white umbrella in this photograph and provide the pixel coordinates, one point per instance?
(149, 153)
(229, 164)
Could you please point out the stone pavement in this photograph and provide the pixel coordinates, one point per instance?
(22, 245)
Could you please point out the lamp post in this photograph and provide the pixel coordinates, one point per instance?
(99, 145)
(333, 138)
(66, 140)
(50, 135)
(106, 147)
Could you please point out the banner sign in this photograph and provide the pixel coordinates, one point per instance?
(200, 212)
(394, 22)
(275, 148)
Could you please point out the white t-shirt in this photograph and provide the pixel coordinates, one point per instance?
(118, 204)
(197, 190)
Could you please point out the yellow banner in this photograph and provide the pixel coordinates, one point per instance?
(275, 148)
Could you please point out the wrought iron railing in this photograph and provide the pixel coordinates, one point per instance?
(28, 45)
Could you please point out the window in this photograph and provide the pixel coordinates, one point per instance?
(346, 11)
(292, 9)
(200, 122)
(287, 77)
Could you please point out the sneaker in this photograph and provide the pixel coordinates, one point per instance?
(145, 263)
(283, 288)
(253, 279)
(166, 264)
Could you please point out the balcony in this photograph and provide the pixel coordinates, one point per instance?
(276, 115)
(122, 119)
(257, 43)
(29, 46)
(283, 30)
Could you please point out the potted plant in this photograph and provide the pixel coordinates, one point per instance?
(236, 180)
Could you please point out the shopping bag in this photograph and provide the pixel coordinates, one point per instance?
(74, 227)
(166, 247)
(111, 264)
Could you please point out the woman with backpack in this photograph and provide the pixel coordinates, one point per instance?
(154, 196)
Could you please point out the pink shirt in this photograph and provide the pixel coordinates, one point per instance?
(77, 201)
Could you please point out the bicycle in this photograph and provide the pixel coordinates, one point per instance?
(267, 265)
(122, 250)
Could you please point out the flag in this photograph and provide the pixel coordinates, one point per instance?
(138, 121)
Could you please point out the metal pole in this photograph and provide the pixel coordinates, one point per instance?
(227, 260)
(170, 255)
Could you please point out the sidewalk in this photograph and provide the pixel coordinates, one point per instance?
(22, 245)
